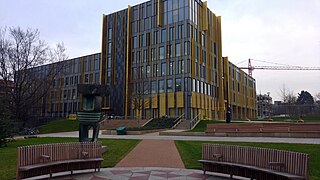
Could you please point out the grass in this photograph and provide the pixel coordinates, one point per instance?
(59, 126)
(117, 149)
(190, 152)
(295, 118)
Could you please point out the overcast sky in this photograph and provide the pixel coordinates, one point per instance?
(279, 31)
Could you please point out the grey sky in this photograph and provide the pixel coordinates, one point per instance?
(280, 31)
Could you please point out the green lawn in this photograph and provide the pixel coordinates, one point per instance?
(59, 126)
(190, 152)
(117, 149)
(295, 118)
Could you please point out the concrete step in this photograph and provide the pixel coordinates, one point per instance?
(183, 125)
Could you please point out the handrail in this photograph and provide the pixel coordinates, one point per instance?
(194, 121)
(147, 122)
(177, 123)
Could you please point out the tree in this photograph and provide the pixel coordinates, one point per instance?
(21, 54)
(288, 100)
(140, 96)
(305, 102)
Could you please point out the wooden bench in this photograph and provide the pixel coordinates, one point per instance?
(264, 128)
(253, 162)
(46, 159)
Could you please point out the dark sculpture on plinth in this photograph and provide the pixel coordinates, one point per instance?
(90, 114)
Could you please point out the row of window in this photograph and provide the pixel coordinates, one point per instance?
(163, 52)
(174, 85)
(169, 69)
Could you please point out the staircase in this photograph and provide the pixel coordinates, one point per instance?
(184, 124)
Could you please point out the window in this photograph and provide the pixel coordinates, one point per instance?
(186, 48)
(171, 34)
(193, 85)
(146, 88)
(135, 42)
(161, 86)
(96, 64)
(97, 78)
(109, 48)
(67, 81)
(87, 64)
(178, 49)
(109, 62)
(169, 85)
(109, 33)
(134, 73)
(175, 15)
(155, 37)
(161, 52)
(148, 71)
(170, 68)
(163, 69)
(65, 94)
(154, 87)
(155, 70)
(153, 54)
(178, 85)
(74, 94)
(108, 77)
(163, 35)
(86, 78)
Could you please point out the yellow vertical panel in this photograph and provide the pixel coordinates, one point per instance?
(180, 99)
(160, 9)
(171, 100)
(162, 104)
(148, 113)
(202, 101)
(127, 60)
(198, 99)
(147, 103)
(154, 99)
(193, 100)
(205, 16)
(103, 51)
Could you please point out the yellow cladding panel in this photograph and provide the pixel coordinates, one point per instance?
(160, 18)
(147, 103)
(154, 101)
(171, 100)
(162, 104)
(202, 101)
(193, 100)
(180, 99)
(205, 16)
(198, 100)
(127, 60)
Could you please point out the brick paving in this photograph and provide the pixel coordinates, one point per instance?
(153, 153)
(146, 173)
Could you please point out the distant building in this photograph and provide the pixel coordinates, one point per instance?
(264, 102)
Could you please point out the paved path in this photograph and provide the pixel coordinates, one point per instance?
(153, 153)
(147, 173)
(196, 138)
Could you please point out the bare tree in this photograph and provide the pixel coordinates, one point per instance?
(288, 99)
(141, 93)
(21, 55)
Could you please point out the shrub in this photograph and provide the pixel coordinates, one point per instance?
(6, 131)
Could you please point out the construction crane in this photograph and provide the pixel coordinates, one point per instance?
(282, 67)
